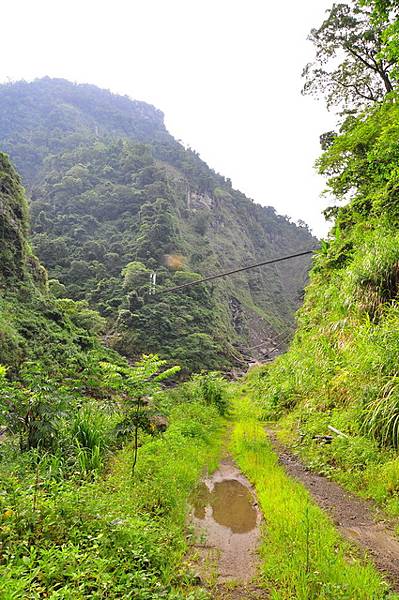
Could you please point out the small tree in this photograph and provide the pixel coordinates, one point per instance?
(136, 384)
(33, 408)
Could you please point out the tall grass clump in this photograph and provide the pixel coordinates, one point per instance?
(91, 438)
(372, 278)
(381, 415)
(211, 389)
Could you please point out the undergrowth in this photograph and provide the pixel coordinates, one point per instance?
(342, 367)
(76, 523)
(303, 556)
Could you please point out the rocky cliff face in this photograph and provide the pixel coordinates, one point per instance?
(115, 198)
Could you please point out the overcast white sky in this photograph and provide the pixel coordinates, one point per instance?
(226, 73)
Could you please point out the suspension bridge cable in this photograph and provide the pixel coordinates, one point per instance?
(239, 270)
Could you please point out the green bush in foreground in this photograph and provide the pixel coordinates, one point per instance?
(115, 537)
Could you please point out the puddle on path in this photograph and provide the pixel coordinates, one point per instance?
(228, 503)
(225, 512)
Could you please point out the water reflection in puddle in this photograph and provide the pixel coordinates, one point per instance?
(226, 519)
(229, 503)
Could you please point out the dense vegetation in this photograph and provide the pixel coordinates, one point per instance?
(72, 528)
(342, 367)
(94, 494)
(303, 556)
(98, 455)
(114, 198)
(33, 323)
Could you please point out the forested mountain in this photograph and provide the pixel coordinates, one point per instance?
(114, 198)
(33, 324)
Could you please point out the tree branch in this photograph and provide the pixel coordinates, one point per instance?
(371, 97)
(360, 57)
(376, 67)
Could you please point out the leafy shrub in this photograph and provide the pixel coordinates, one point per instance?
(210, 388)
(33, 411)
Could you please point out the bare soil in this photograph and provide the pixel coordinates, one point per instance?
(358, 520)
(241, 592)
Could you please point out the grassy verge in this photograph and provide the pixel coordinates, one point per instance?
(341, 369)
(116, 537)
(303, 556)
(356, 461)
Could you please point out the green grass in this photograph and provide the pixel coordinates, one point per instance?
(115, 537)
(342, 366)
(303, 556)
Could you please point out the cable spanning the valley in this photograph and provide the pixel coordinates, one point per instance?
(238, 270)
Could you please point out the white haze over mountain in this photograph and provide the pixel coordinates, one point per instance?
(226, 73)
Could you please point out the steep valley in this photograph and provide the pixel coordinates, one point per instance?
(114, 198)
(131, 464)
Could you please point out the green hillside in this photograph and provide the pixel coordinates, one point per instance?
(74, 521)
(342, 367)
(114, 197)
(33, 324)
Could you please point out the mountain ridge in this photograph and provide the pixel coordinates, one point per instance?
(109, 186)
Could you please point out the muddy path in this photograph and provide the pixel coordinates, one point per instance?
(357, 520)
(227, 522)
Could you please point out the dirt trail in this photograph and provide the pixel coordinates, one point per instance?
(357, 520)
(227, 519)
